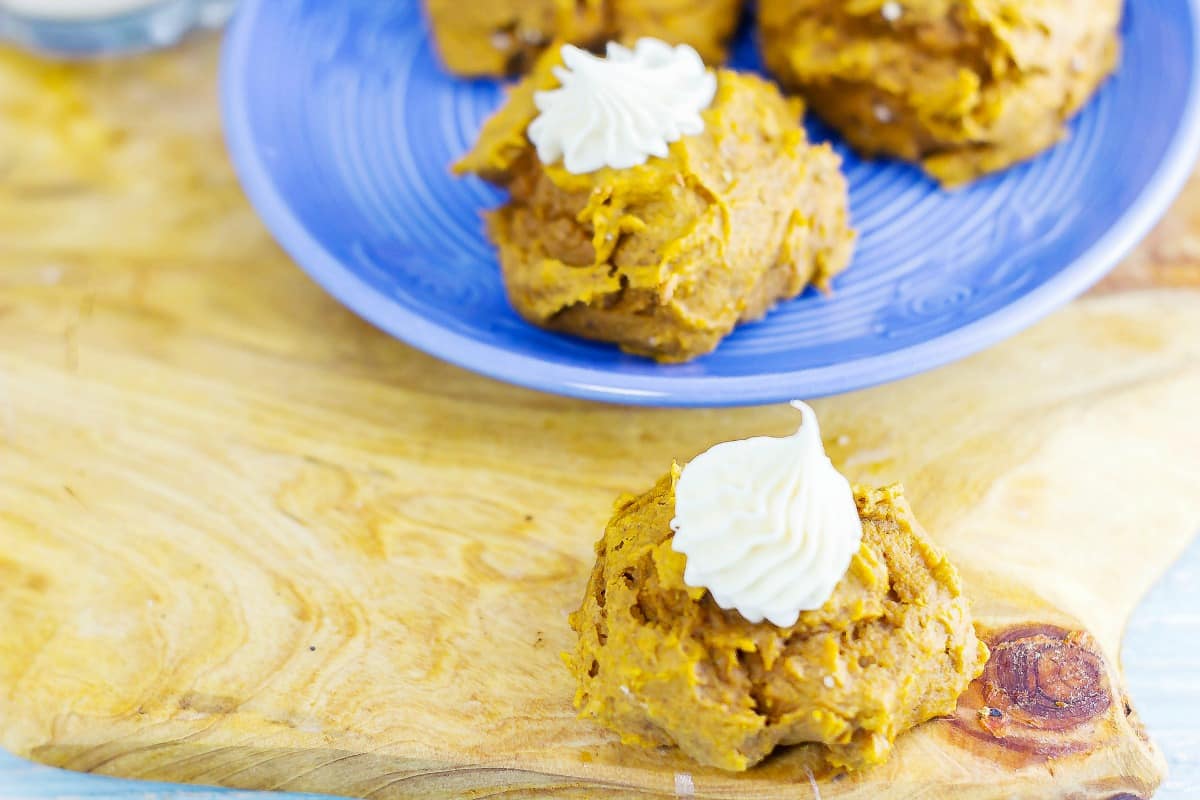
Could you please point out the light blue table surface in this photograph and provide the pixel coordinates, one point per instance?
(1161, 659)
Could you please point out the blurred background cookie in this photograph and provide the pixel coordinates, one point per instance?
(504, 37)
(963, 88)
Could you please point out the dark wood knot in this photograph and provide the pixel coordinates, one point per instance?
(1048, 679)
(1041, 687)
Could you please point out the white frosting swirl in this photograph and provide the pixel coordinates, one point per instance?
(768, 525)
(620, 110)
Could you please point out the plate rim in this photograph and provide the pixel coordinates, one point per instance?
(498, 363)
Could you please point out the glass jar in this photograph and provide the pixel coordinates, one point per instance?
(83, 28)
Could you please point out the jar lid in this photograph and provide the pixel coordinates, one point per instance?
(91, 28)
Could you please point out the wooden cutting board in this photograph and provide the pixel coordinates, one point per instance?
(247, 540)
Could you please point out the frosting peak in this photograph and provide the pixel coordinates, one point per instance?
(768, 525)
(620, 110)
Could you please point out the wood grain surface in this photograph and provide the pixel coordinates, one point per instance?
(247, 540)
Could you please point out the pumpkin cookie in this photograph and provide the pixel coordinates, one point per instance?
(663, 253)
(962, 88)
(741, 645)
(505, 37)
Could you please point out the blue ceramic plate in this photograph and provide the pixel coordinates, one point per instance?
(342, 126)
